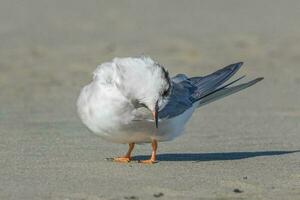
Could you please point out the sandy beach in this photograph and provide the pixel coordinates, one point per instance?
(246, 146)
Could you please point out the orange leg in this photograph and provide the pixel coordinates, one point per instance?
(127, 157)
(152, 160)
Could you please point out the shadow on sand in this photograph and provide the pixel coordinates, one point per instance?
(197, 157)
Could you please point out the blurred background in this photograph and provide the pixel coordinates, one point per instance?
(49, 49)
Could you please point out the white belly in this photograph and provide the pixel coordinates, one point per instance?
(111, 121)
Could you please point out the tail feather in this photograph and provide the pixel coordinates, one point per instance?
(220, 88)
(225, 91)
(209, 83)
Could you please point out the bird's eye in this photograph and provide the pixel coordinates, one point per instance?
(165, 93)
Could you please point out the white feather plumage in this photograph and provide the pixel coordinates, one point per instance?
(106, 105)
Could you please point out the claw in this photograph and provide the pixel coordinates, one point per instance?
(148, 161)
(122, 159)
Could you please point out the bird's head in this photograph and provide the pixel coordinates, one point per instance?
(146, 83)
(155, 97)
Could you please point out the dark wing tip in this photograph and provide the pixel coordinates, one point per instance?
(239, 63)
(260, 78)
(255, 81)
(233, 68)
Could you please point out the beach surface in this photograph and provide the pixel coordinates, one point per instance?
(246, 146)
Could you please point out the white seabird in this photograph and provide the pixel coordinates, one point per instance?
(133, 100)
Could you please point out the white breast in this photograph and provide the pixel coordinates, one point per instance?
(103, 108)
(107, 113)
(105, 105)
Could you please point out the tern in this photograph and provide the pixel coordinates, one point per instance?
(133, 100)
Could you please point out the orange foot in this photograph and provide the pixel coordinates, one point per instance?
(148, 161)
(122, 159)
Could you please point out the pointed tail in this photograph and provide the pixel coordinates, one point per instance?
(211, 82)
(225, 91)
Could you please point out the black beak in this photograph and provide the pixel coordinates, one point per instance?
(156, 114)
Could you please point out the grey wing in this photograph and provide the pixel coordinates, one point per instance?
(179, 99)
(211, 82)
(186, 91)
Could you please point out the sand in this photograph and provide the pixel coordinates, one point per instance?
(245, 146)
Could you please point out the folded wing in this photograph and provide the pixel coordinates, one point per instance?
(203, 90)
